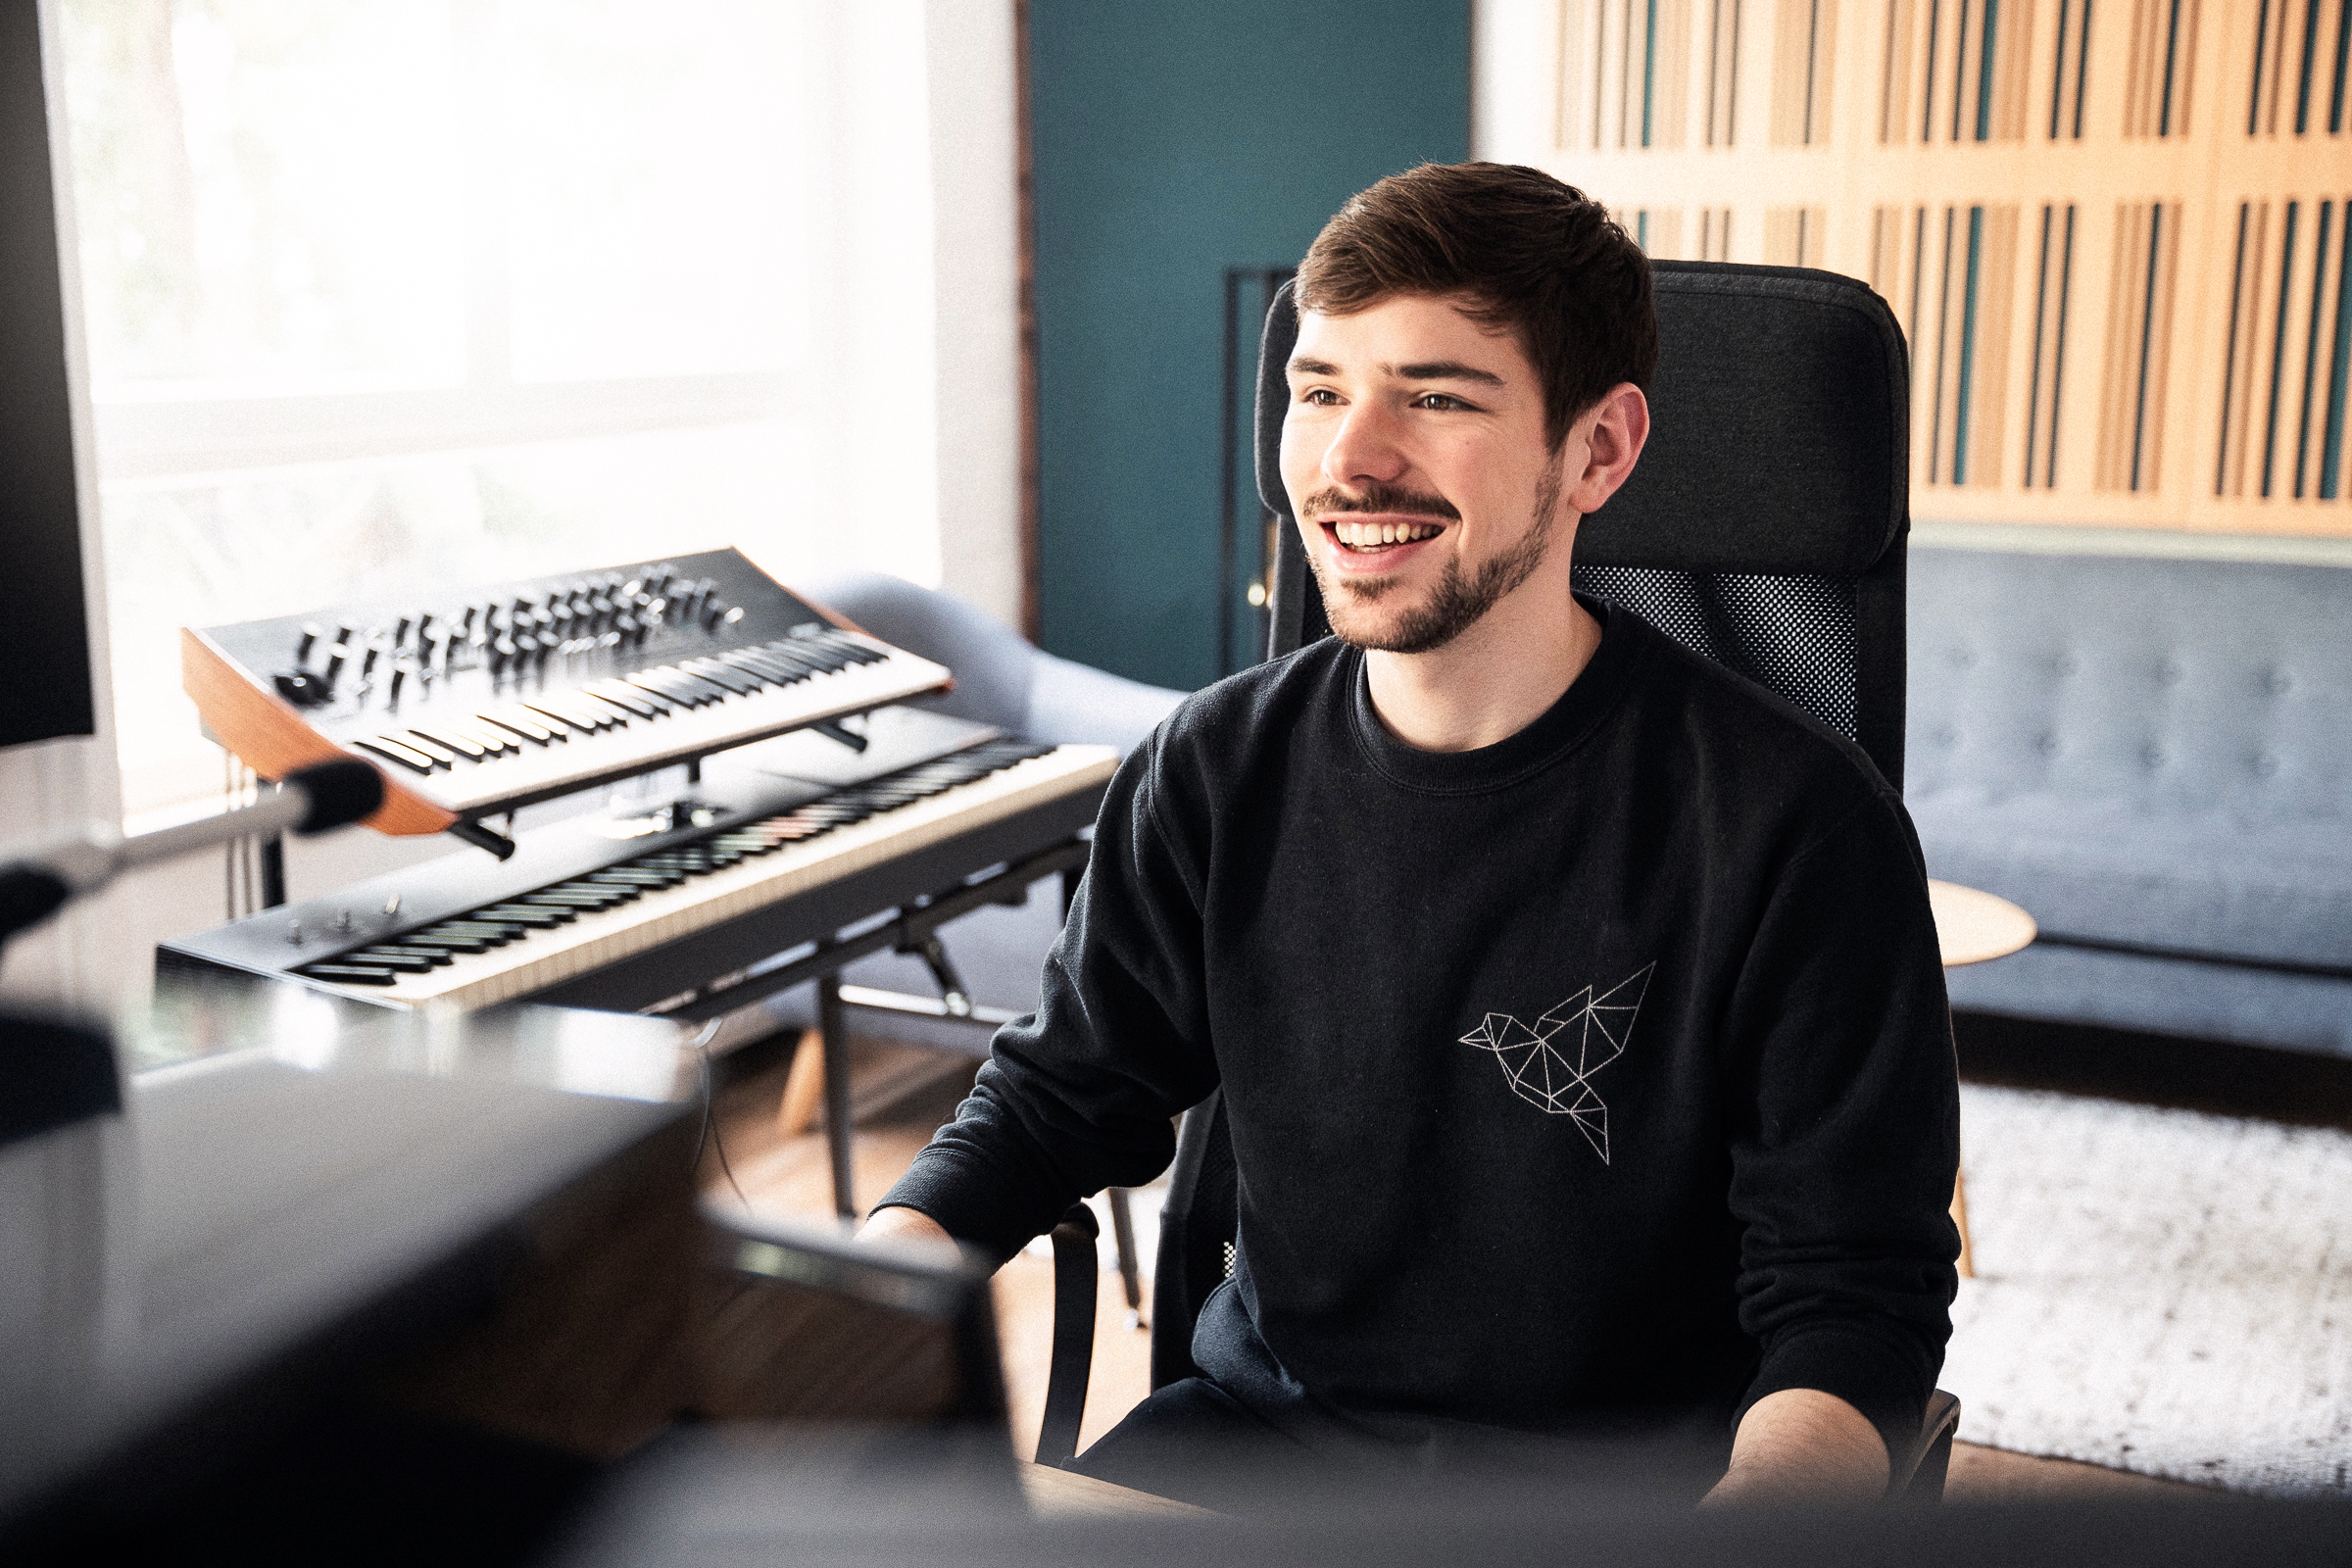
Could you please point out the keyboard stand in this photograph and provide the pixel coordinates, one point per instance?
(917, 933)
(913, 929)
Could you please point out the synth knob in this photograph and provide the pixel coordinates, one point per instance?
(400, 631)
(465, 626)
(312, 631)
(335, 657)
(399, 673)
(368, 660)
(300, 689)
(502, 654)
(657, 580)
(715, 614)
(644, 629)
(345, 631)
(425, 628)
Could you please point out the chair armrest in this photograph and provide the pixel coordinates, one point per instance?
(1077, 1271)
(1916, 1477)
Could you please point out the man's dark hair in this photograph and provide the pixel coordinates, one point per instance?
(1521, 250)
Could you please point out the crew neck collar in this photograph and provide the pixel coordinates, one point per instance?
(1588, 698)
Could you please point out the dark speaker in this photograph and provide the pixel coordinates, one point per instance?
(44, 651)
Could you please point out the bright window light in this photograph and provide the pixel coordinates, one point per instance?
(389, 293)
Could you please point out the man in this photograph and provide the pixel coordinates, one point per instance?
(1577, 1005)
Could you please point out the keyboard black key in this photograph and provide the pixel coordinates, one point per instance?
(400, 964)
(350, 974)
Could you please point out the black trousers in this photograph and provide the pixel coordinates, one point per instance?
(1196, 1442)
(1193, 1441)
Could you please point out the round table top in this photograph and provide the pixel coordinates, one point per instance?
(1973, 926)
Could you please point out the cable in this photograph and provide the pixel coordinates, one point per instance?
(710, 1135)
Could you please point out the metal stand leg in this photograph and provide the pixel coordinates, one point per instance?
(1122, 1230)
(273, 870)
(838, 1131)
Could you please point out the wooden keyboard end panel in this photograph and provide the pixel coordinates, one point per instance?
(270, 737)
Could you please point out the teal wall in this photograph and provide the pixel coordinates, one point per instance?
(1171, 139)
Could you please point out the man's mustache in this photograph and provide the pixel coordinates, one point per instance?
(1381, 498)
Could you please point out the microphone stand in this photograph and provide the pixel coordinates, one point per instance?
(54, 1069)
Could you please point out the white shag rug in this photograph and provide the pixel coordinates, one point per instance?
(2157, 1291)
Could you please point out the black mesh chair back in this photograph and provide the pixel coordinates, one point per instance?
(1764, 527)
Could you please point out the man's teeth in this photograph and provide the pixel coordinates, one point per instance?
(1372, 535)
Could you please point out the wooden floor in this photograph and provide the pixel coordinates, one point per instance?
(901, 1096)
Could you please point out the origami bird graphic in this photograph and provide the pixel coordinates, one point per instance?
(1551, 1064)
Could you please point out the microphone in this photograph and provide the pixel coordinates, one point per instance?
(34, 883)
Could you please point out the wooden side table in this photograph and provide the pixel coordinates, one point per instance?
(1973, 927)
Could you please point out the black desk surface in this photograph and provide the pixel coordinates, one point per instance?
(289, 1185)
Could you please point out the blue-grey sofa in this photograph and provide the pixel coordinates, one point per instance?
(1000, 680)
(2154, 759)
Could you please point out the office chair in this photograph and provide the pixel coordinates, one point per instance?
(1764, 527)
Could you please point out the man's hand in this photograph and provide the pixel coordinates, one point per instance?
(1802, 1446)
(906, 1225)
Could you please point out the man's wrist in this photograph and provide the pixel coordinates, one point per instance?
(896, 1224)
(1802, 1446)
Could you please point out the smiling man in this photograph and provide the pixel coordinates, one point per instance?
(1576, 1004)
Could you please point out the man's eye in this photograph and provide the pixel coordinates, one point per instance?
(1322, 397)
(1439, 400)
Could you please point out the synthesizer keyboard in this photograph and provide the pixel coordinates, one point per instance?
(486, 699)
(757, 862)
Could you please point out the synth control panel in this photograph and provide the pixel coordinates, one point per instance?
(483, 700)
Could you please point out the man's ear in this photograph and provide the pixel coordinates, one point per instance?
(1608, 441)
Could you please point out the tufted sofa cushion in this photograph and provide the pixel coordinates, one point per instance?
(2154, 752)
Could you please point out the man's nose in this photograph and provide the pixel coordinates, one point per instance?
(1364, 447)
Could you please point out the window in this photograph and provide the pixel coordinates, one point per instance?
(388, 293)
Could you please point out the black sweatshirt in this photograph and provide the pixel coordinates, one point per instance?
(1596, 1081)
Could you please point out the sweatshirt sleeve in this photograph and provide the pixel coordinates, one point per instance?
(1079, 1096)
(1846, 1128)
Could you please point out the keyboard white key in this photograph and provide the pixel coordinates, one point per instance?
(595, 939)
(526, 767)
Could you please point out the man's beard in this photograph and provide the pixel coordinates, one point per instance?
(1461, 597)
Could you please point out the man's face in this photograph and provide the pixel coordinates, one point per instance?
(1415, 457)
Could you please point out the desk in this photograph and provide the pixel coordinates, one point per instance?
(307, 1198)
(1973, 927)
(1066, 1495)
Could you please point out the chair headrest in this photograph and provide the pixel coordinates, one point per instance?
(1778, 436)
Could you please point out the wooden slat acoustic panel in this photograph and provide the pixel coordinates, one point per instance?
(2080, 209)
(2302, 49)
(2160, 73)
(1805, 56)
(2281, 405)
(2139, 339)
